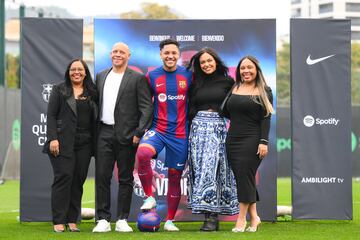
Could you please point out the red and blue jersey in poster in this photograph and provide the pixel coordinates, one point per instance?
(170, 100)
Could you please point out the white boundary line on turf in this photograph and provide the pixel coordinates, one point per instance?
(11, 211)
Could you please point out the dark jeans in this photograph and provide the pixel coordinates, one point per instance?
(109, 151)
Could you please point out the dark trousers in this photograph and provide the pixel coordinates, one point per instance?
(109, 151)
(70, 173)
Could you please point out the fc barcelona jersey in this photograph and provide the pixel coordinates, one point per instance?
(170, 91)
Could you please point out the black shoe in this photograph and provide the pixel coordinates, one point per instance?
(211, 223)
(207, 215)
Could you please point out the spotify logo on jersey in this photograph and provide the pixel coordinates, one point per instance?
(162, 97)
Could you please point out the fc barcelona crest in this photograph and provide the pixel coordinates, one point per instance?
(46, 91)
(182, 84)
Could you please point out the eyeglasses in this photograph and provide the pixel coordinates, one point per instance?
(77, 69)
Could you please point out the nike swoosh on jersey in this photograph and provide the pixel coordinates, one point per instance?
(159, 85)
(310, 61)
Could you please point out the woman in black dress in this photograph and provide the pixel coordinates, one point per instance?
(250, 108)
(71, 116)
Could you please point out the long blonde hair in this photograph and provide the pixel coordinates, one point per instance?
(260, 83)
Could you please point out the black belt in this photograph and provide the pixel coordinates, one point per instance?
(107, 125)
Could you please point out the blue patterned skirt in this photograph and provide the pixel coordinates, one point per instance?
(212, 186)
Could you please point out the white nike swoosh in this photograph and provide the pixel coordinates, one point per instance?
(158, 85)
(310, 61)
(180, 165)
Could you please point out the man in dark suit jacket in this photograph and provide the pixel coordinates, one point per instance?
(125, 112)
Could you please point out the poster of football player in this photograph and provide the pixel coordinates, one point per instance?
(232, 39)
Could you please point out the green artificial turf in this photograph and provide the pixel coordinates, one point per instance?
(285, 228)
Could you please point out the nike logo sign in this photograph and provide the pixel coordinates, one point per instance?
(310, 61)
(180, 165)
(159, 85)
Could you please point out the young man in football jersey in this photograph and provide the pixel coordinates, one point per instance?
(169, 84)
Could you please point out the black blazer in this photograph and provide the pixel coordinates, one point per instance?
(62, 119)
(133, 109)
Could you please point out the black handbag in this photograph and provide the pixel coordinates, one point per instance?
(223, 112)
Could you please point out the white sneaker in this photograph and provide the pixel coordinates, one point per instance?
(148, 204)
(122, 226)
(170, 226)
(102, 226)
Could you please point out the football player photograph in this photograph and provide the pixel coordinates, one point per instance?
(169, 86)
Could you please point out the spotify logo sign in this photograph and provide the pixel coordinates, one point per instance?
(309, 121)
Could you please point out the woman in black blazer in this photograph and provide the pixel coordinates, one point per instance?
(71, 119)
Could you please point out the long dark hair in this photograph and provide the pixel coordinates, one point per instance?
(199, 75)
(260, 83)
(194, 63)
(88, 84)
